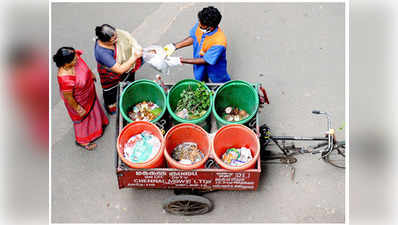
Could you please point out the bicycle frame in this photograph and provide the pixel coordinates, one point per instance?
(330, 138)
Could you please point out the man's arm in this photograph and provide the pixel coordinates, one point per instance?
(193, 61)
(184, 43)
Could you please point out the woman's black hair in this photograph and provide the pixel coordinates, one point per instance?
(105, 32)
(210, 16)
(63, 56)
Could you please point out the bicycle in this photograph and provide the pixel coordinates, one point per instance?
(333, 153)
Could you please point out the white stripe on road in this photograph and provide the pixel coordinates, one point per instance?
(158, 23)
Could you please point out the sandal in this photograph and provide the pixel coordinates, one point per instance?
(111, 110)
(88, 147)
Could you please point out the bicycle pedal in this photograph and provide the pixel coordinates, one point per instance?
(288, 160)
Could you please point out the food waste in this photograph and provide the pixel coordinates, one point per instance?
(193, 104)
(187, 153)
(234, 114)
(237, 156)
(142, 147)
(145, 111)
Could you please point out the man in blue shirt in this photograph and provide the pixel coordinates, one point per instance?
(209, 48)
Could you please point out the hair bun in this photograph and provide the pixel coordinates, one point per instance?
(64, 55)
(55, 58)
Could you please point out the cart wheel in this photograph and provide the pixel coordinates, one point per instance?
(197, 192)
(187, 205)
(336, 157)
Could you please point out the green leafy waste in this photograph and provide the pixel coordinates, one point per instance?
(196, 102)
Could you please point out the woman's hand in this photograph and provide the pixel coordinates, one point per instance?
(73, 103)
(134, 57)
(93, 76)
(80, 110)
(138, 54)
(122, 68)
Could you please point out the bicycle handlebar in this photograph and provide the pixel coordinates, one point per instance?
(330, 136)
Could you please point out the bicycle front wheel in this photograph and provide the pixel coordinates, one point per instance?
(336, 157)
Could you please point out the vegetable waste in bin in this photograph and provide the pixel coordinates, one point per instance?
(189, 101)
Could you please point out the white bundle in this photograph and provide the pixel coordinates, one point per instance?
(155, 56)
(126, 47)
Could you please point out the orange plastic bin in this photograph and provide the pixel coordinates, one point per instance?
(135, 128)
(235, 136)
(186, 132)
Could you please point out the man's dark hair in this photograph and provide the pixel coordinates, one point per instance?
(209, 16)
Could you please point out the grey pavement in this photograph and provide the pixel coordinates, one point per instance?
(296, 50)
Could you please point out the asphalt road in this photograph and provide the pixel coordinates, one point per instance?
(295, 50)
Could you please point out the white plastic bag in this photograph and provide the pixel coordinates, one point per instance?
(155, 56)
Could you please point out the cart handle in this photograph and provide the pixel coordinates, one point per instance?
(263, 95)
(161, 83)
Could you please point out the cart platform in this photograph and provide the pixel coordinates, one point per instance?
(170, 178)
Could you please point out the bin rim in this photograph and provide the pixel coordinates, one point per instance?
(180, 120)
(126, 117)
(245, 166)
(149, 163)
(219, 118)
(175, 163)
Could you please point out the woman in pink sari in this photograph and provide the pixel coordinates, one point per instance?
(76, 83)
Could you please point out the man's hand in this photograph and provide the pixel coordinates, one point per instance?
(173, 61)
(170, 49)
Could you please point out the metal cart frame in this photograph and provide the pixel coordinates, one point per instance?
(185, 183)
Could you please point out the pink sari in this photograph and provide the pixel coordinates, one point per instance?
(89, 126)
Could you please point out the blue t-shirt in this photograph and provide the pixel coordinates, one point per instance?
(212, 48)
(104, 56)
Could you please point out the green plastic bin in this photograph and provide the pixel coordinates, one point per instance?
(139, 91)
(174, 95)
(235, 93)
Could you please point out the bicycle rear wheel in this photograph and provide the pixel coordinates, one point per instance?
(336, 157)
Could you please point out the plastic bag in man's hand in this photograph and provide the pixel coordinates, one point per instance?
(155, 56)
(173, 61)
